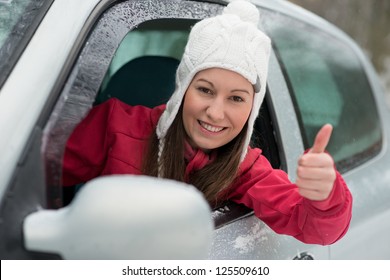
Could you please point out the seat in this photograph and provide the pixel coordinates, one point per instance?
(146, 80)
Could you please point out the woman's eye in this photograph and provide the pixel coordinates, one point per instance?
(237, 99)
(204, 90)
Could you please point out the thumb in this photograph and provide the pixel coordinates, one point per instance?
(322, 139)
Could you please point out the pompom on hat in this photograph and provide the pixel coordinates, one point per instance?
(230, 41)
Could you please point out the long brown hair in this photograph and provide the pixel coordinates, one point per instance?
(213, 179)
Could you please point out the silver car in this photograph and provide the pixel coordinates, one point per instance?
(59, 58)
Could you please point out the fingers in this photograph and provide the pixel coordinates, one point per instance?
(316, 194)
(314, 189)
(315, 173)
(322, 139)
(316, 160)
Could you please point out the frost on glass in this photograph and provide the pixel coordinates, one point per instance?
(249, 239)
(16, 18)
(91, 66)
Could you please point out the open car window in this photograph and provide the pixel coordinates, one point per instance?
(142, 70)
(124, 35)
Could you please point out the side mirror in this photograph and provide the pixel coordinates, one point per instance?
(125, 217)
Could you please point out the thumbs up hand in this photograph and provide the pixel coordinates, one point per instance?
(316, 173)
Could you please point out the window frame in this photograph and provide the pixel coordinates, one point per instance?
(72, 107)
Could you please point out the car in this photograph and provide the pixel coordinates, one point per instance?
(59, 58)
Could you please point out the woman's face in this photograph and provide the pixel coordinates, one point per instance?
(216, 107)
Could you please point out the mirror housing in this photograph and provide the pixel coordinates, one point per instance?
(125, 217)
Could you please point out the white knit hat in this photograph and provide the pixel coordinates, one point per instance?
(230, 41)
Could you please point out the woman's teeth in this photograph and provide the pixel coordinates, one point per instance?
(210, 127)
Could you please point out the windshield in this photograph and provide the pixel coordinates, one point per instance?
(18, 21)
(10, 13)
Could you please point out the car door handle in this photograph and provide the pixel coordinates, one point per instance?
(303, 256)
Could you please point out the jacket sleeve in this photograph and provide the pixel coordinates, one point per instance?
(86, 149)
(277, 202)
(108, 128)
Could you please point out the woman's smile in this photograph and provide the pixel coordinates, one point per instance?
(211, 128)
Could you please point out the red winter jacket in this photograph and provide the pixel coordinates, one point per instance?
(112, 138)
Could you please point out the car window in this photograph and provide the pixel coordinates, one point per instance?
(18, 21)
(328, 85)
(118, 40)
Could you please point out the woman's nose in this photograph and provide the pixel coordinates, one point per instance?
(215, 110)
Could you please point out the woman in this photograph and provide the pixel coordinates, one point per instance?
(202, 136)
